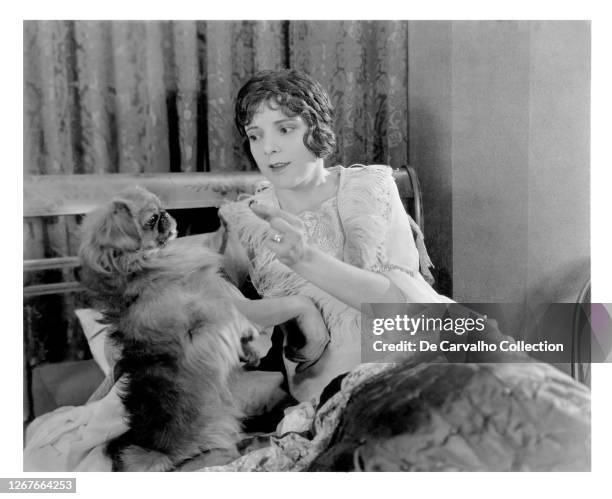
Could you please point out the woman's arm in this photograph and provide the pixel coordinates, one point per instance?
(273, 311)
(308, 342)
(355, 286)
(346, 282)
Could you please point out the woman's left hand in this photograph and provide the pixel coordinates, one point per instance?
(306, 345)
(287, 234)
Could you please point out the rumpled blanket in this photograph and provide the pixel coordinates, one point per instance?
(73, 438)
(436, 417)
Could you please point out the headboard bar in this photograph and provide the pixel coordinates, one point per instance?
(54, 195)
(54, 288)
(64, 262)
(59, 195)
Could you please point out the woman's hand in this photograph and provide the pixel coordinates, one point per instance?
(307, 336)
(287, 234)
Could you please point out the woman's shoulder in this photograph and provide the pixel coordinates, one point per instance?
(359, 171)
(367, 177)
(365, 191)
(368, 183)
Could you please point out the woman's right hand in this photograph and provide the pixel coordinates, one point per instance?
(287, 238)
(306, 337)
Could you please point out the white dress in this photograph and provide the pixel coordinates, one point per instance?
(365, 225)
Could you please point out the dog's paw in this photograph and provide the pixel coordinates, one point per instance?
(249, 355)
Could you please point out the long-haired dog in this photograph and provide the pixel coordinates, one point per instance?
(179, 335)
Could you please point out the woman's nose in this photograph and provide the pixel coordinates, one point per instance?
(270, 146)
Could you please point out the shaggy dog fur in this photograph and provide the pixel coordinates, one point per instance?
(179, 335)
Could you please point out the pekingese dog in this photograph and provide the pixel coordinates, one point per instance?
(179, 335)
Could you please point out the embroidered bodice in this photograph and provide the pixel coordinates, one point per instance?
(324, 229)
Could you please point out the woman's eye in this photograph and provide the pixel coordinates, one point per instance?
(286, 129)
(253, 138)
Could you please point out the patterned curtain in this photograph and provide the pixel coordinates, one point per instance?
(364, 67)
(154, 96)
(149, 96)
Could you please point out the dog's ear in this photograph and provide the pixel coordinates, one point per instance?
(108, 235)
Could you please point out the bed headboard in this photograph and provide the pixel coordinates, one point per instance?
(61, 195)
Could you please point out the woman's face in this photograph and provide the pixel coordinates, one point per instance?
(277, 145)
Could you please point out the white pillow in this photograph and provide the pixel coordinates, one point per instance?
(102, 350)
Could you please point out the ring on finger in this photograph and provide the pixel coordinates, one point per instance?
(277, 238)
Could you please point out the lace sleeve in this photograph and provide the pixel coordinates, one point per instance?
(235, 258)
(364, 204)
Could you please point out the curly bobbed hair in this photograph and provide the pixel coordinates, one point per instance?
(295, 93)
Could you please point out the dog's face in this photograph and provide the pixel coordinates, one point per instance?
(132, 222)
(139, 213)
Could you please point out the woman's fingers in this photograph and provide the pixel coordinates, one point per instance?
(285, 229)
(286, 240)
(261, 210)
(267, 213)
(287, 236)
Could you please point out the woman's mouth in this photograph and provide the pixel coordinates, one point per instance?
(278, 167)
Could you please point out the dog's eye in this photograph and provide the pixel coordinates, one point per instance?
(152, 221)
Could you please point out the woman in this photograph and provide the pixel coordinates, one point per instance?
(339, 236)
